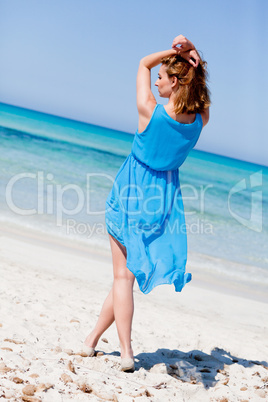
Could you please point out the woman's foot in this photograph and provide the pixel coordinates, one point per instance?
(90, 344)
(88, 351)
(127, 364)
(127, 359)
(126, 353)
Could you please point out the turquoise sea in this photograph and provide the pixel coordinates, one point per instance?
(56, 173)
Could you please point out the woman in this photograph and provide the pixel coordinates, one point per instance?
(144, 210)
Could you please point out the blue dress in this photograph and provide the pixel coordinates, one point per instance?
(144, 209)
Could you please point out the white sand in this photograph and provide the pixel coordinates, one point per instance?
(203, 344)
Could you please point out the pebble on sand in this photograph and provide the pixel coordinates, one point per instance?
(14, 341)
(29, 390)
(85, 388)
(44, 387)
(66, 378)
(70, 367)
(26, 398)
(4, 368)
(34, 375)
(18, 380)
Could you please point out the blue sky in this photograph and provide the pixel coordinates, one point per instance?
(79, 59)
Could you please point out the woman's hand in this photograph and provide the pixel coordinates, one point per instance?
(184, 43)
(186, 50)
(191, 56)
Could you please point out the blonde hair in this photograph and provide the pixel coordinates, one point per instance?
(193, 95)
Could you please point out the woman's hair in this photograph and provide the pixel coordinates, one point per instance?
(193, 95)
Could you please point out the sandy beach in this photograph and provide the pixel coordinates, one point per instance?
(207, 343)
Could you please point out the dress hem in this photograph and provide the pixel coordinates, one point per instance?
(116, 237)
(186, 275)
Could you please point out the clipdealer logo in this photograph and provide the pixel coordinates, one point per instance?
(51, 196)
(255, 202)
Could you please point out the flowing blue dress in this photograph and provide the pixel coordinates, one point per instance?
(144, 209)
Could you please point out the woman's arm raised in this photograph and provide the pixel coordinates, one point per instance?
(145, 99)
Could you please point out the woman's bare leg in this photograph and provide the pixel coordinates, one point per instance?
(119, 304)
(122, 297)
(106, 318)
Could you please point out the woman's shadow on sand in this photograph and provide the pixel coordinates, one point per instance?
(194, 367)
